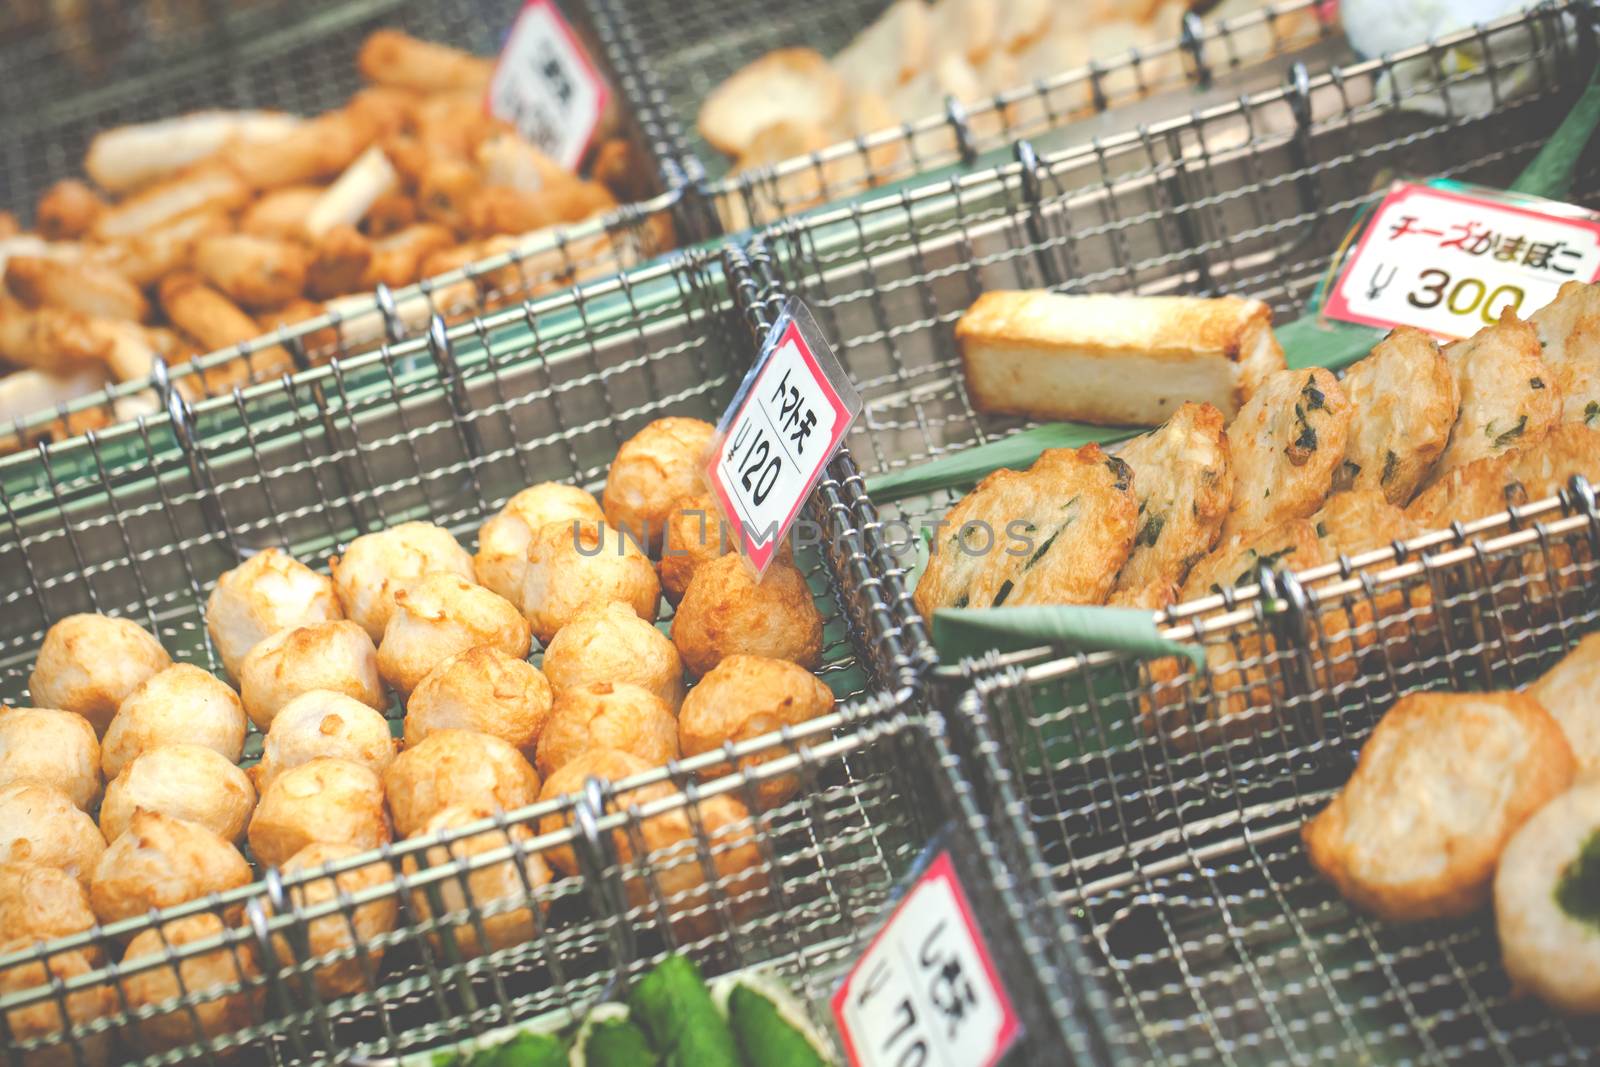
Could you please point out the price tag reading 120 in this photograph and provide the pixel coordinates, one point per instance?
(786, 423)
(1451, 259)
(545, 85)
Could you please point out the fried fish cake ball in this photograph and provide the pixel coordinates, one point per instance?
(570, 568)
(695, 533)
(1057, 533)
(1569, 331)
(190, 782)
(53, 747)
(1547, 902)
(349, 930)
(216, 985)
(376, 565)
(494, 890)
(43, 1020)
(609, 643)
(609, 765)
(90, 663)
(606, 715)
(654, 468)
(482, 689)
(159, 861)
(1183, 480)
(268, 592)
(502, 555)
(335, 656)
(726, 612)
(1509, 396)
(1406, 400)
(39, 903)
(1286, 443)
(439, 615)
(456, 767)
(327, 801)
(40, 824)
(1570, 691)
(181, 705)
(744, 697)
(324, 724)
(1442, 783)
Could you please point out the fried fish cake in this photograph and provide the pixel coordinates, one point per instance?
(1570, 691)
(1183, 480)
(1509, 396)
(1442, 784)
(1359, 521)
(1518, 476)
(1569, 330)
(1057, 533)
(1291, 545)
(1547, 902)
(1286, 443)
(1405, 400)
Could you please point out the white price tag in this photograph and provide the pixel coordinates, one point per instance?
(545, 85)
(1450, 259)
(925, 993)
(786, 423)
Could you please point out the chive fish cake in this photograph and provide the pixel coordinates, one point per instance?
(1405, 399)
(1509, 396)
(1286, 444)
(1569, 330)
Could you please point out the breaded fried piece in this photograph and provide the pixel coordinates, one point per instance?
(1547, 902)
(1517, 476)
(1442, 784)
(1509, 396)
(1360, 521)
(1570, 691)
(1057, 533)
(1291, 545)
(1406, 400)
(1569, 330)
(1286, 443)
(1183, 480)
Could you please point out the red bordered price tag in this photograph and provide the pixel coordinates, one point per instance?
(925, 993)
(1450, 258)
(791, 413)
(545, 85)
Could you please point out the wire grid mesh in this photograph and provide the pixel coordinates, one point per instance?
(1164, 802)
(678, 53)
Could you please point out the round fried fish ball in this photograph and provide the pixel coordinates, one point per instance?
(482, 689)
(322, 724)
(605, 715)
(439, 615)
(655, 468)
(726, 612)
(607, 764)
(377, 565)
(40, 824)
(190, 782)
(609, 643)
(744, 697)
(52, 747)
(39, 903)
(571, 568)
(492, 888)
(43, 1020)
(502, 555)
(336, 656)
(268, 592)
(217, 983)
(90, 663)
(159, 861)
(694, 535)
(351, 930)
(181, 705)
(456, 767)
(327, 801)
(1547, 902)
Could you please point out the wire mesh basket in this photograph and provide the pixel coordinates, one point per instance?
(678, 54)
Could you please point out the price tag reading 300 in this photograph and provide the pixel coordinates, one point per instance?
(1453, 260)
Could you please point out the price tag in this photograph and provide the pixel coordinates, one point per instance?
(1450, 259)
(545, 85)
(925, 993)
(792, 411)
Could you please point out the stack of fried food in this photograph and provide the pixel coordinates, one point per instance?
(121, 791)
(201, 232)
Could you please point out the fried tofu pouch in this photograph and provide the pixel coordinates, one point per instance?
(1057, 533)
(1442, 784)
(1570, 691)
(1286, 444)
(1510, 398)
(1405, 400)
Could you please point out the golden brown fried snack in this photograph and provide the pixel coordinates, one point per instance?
(319, 148)
(67, 210)
(502, 556)
(84, 287)
(607, 715)
(1517, 476)
(185, 781)
(323, 724)
(1406, 400)
(90, 663)
(268, 592)
(53, 747)
(43, 1019)
(453, 124)
(342, 261)
(389, 214)
(49, 339)
(182, 704)
(160, 861)
(1442, 784)
(664, 461)
(1286, 444)
(726, 612)
(40, 824)
(203, 189)
(39, 903)
(1509, 396)
(337, 656)
(218, 323)
(145, 258)
(609, 643)
(325, 801)
(257, 272)
(571, 568)
(377, 565)
(217, 980)
(393, 58)
(355, 928)
(1569, 330)
(397, 258)
(491, 888)
(281, 213)
(695, 534)
(1570, 691)
(456, 767)
(442, 614)
(482, 689)
(1292, 545)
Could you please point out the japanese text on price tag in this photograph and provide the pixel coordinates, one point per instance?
(1452, 260)
(786, 423)
(925, 993)
(545, 85)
